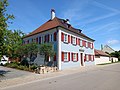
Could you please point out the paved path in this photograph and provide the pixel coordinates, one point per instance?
(90, 78)
(9, 73)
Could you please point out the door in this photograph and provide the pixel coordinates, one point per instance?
(81, 58)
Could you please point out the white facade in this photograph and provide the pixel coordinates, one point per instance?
(102, 60)
(114, 59)
(60, 46)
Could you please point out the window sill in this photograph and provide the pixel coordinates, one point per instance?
(66, 42)
(74, 44)
(75, 61)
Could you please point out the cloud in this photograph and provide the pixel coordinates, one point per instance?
(113, 42)
(113, 12)
(75, 10)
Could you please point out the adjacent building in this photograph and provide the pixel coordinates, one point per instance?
(101, 57)
(107, 49)
(72, 47)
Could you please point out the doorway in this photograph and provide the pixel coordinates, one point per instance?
(81, 58)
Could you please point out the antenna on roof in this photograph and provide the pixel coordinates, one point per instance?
(52, 14)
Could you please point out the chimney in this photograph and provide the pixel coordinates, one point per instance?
(52, 14)
(67, 20)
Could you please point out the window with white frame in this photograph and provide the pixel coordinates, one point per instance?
(65, 56)
(87, 57)
(51, 37)
(42, 39)
(90, 45)
(86, 44)
(80, 42)
(74, 56)
(73, 40)
(65, 38)
(92, 57)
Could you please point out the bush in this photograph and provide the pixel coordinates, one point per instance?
(21, 67)
(13, 65)
(24, 62)
(33, 67)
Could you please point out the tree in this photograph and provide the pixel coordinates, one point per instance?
(47, 50)
(4, 20)
(27, 49)
(116, 54)
(13, 41)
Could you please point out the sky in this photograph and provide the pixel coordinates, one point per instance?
(98, 19)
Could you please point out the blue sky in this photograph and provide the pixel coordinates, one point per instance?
(99, 19)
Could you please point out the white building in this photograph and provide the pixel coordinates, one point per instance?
(107, 49)
(72, 47)
(101, 57)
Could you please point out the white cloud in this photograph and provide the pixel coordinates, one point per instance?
(113, 42)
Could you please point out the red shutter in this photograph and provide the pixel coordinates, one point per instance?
(85, 43)
(76, 41)
(62, 36)
(77, 56)
(68, 38)
(45, 38)
(55, 57)
(85, 58)
(89, 44)
(37, 40)
(62, 55)
(92, 46)
(48, 38)
(68, 56)
(89, 57)
(82, 42)
(72, 56)
(55, 36)
(71, 40)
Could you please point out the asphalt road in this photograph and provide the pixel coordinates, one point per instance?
(105, 78)
(9, 73)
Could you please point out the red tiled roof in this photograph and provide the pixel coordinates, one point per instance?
(56, 22)
(100, 53)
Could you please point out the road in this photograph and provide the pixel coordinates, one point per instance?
(104, 78)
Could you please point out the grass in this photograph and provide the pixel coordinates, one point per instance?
(109, 63)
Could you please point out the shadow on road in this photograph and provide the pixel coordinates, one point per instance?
(3, 72)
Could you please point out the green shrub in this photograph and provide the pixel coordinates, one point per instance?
(21, 67)
(33, 67)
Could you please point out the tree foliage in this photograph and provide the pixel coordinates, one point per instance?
(47, 50)
(116, 54)
(27, 49)
(4, 20)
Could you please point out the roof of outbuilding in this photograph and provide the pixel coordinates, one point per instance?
(56, 22)
(100, 53)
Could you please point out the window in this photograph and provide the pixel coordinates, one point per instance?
(65, 56)
(80, 42)
(86, 44)
(51, 37)
(83, 43)
(42, 39)
(73, 40)
(89, 44)
(74, 56)
(65, 38)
